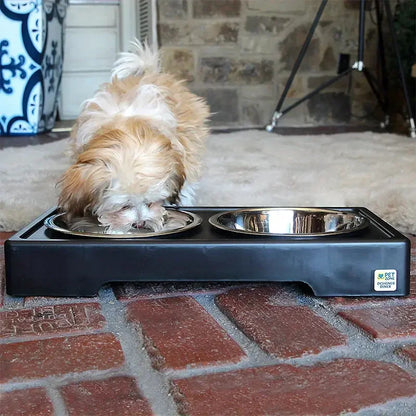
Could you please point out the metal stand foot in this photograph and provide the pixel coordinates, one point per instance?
(412, 129)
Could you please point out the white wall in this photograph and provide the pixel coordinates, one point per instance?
(92, 41)
(95, 32)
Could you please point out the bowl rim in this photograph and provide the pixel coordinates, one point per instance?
(50, 222)
(213, 220)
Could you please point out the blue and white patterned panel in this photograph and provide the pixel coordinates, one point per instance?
(31, 58)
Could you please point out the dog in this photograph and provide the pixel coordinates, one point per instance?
(136, 147)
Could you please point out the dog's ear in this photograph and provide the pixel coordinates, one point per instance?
(175, 184)
(81, 187)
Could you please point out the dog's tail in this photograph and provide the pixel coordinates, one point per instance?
(141, 59)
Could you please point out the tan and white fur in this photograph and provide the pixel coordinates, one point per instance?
(136, 146)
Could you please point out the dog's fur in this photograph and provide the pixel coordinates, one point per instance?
(136, 145)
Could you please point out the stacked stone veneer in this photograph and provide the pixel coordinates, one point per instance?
(239, 54)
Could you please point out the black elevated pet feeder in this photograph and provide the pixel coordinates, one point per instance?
(362, 256)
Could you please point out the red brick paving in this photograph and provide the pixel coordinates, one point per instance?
(69, 347)
(283, 331)
(180, 334)
(28, 402)
(52, 319)
(384, 322)
(412, 239)
(5, 235)
(116, 396)
(324, 389)
(413, 266)
(57, 356)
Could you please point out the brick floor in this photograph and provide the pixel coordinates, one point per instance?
(5, 235)
(28, 402)
(57, 356)
(297, 331)
(385, 322)
(118, 396)
(216, 349)
(180, 333)
(51, 319)
(324, 389)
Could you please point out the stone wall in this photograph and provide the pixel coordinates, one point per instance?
(239, 53)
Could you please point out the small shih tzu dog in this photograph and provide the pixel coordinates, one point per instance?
(136, 146)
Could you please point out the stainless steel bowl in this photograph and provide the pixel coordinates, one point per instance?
(289, 222)
(175, 222)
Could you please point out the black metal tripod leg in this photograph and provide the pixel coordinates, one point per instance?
(384, 78)
(400, 66)
(317, 90)
(277, 114)
(361, 32)
(374, 89)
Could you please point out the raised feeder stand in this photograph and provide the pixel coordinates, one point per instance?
(374, 261)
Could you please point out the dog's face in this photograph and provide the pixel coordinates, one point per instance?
(123, 177)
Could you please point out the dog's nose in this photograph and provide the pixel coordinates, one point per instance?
(138, 224)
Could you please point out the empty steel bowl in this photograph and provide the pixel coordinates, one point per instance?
(289, 222)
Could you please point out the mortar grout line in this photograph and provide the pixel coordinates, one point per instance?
(256, 357)
(254, 353)
(39, 302)
(62, 380)
(358, 344)
(153, 384)
(361, 345)
(404, 406)
(63, 334)
(11, 302)
(386, 302)
(58, 402)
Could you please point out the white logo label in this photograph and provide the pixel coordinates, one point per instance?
(385, 280)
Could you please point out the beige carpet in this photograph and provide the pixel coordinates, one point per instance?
(251, 168)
